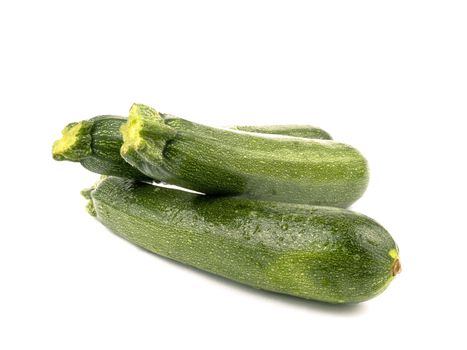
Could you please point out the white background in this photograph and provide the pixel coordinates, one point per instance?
(388, 77)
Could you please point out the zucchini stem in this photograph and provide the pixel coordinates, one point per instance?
(145, 135)
(75, 143)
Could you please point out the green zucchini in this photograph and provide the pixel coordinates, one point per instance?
(220, 162)
(321, 253)
(96, 143)
(306, 131)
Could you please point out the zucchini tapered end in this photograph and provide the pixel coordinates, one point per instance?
(75, 143)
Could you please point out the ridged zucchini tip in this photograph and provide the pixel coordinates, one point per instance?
(146, 130)
(75, 143)
(86, 193)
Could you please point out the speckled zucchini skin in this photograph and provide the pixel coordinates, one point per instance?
(321, 253)
(219, 161)
(97, 145)
(306, 131)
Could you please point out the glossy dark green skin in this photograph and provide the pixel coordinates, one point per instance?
(219, 161)
(306, 131)
(321, 253)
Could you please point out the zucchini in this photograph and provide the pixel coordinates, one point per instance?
(322, 253)
(219, 162)
(306, 131)
(96, 143)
